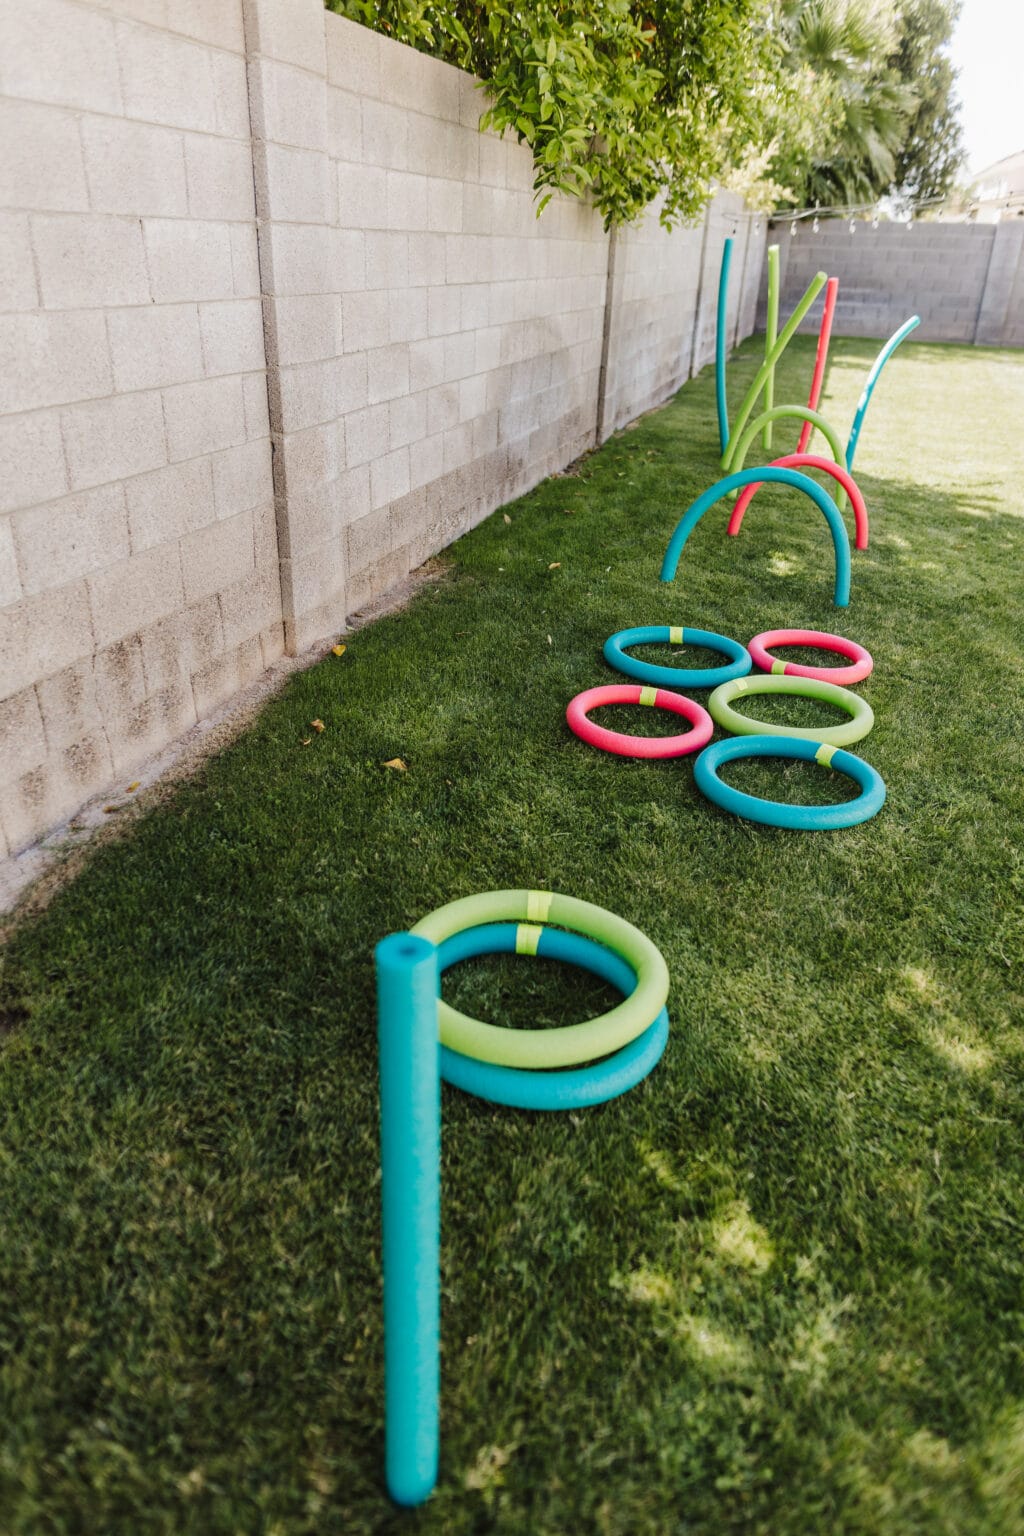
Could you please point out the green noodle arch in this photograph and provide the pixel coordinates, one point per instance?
(800, 412)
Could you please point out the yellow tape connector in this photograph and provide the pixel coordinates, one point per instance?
(825, 754)
(648, 696)
(778, 668)
(538, 905)
(527, 938)
(675, 634)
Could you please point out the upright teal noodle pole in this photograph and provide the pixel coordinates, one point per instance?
(723, 305)
(872, 379)
(410, 1141)
(771, 331)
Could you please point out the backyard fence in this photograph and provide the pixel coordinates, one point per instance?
(278, 323)
(966, 281)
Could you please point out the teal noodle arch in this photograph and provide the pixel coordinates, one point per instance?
(736, 482)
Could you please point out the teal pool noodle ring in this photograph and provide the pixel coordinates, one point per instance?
(720, 348)
(736, 482)
(410, 1138)
(876, 368)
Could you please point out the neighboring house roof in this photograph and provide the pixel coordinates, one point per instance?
(999, 188)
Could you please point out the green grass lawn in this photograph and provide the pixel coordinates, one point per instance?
(778, 1288)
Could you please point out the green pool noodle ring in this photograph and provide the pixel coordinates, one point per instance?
(569, 1044)
(785, 336)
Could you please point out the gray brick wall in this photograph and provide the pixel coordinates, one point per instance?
(966, 281)
(277, 323)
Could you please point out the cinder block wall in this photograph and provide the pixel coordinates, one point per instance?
(277, 323)
(138, 563)
(966, 281)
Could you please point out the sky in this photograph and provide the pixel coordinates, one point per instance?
(988, 50)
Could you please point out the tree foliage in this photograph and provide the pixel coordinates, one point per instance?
(621, 100)
(933, 146)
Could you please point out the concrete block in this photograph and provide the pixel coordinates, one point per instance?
(419, 83)
(151, 725)
(368, 539)
(387, 259)
(254, 397)
(64, 540)
(31, 460)
(249, 607)
(351, 383)
(407, 317)
(188, 259)
(458, 446)
(289, 30)
(444, 205)
(389, 477)
(344, 125)
(292, 183)
(67, 701)
(306, 395)
(353, 56)
(287, 106)
(426, 259)
(385, 136)
(232, 335)
(18, 290)
(204, 416)
(426, 460)
(219, 178)
(218, 22)
(222, 678)
(51, 359)
(242, 478)
(135, 592)
(48, 794)
(119, 682)
(364, 320)
(442, 408)
(42, 634)
(362, 196)
(406, 200)
(55, 51)
(178, 645)
(217, 555)
(10, 579)
(314, 521)
(22, 739)
(42, 165)
(231, 95)
(300, 259)
(387, 371)
(443, 311)
(89, 261)
(154, 346)
(459, 355)
(312, 457)
(408, 419)
(366, 435)
(245, 266)
(169, 502)
(314, 590)
(133, 168)
(307, 328)
(166, 79)
(377, 579)
(426, 363)
(108, 440)
(348, 260)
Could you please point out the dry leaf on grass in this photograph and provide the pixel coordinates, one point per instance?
(133, 787)
(306, 740)
(397, 764)
(318, 726)
(338, 650)
(556, 565)
(506, 517)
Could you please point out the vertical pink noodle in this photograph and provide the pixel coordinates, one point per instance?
(820, 360)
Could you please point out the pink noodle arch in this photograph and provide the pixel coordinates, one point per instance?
(810, 461)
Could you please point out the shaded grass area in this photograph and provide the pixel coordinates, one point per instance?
(778, 1288)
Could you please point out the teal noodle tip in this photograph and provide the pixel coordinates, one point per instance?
(774, 813)
(876, 368)
(720, 348)
(736, 482)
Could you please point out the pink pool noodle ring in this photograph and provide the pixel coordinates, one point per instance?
(861, 667)
(821, 357)
(693, 740)
(810, 461)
